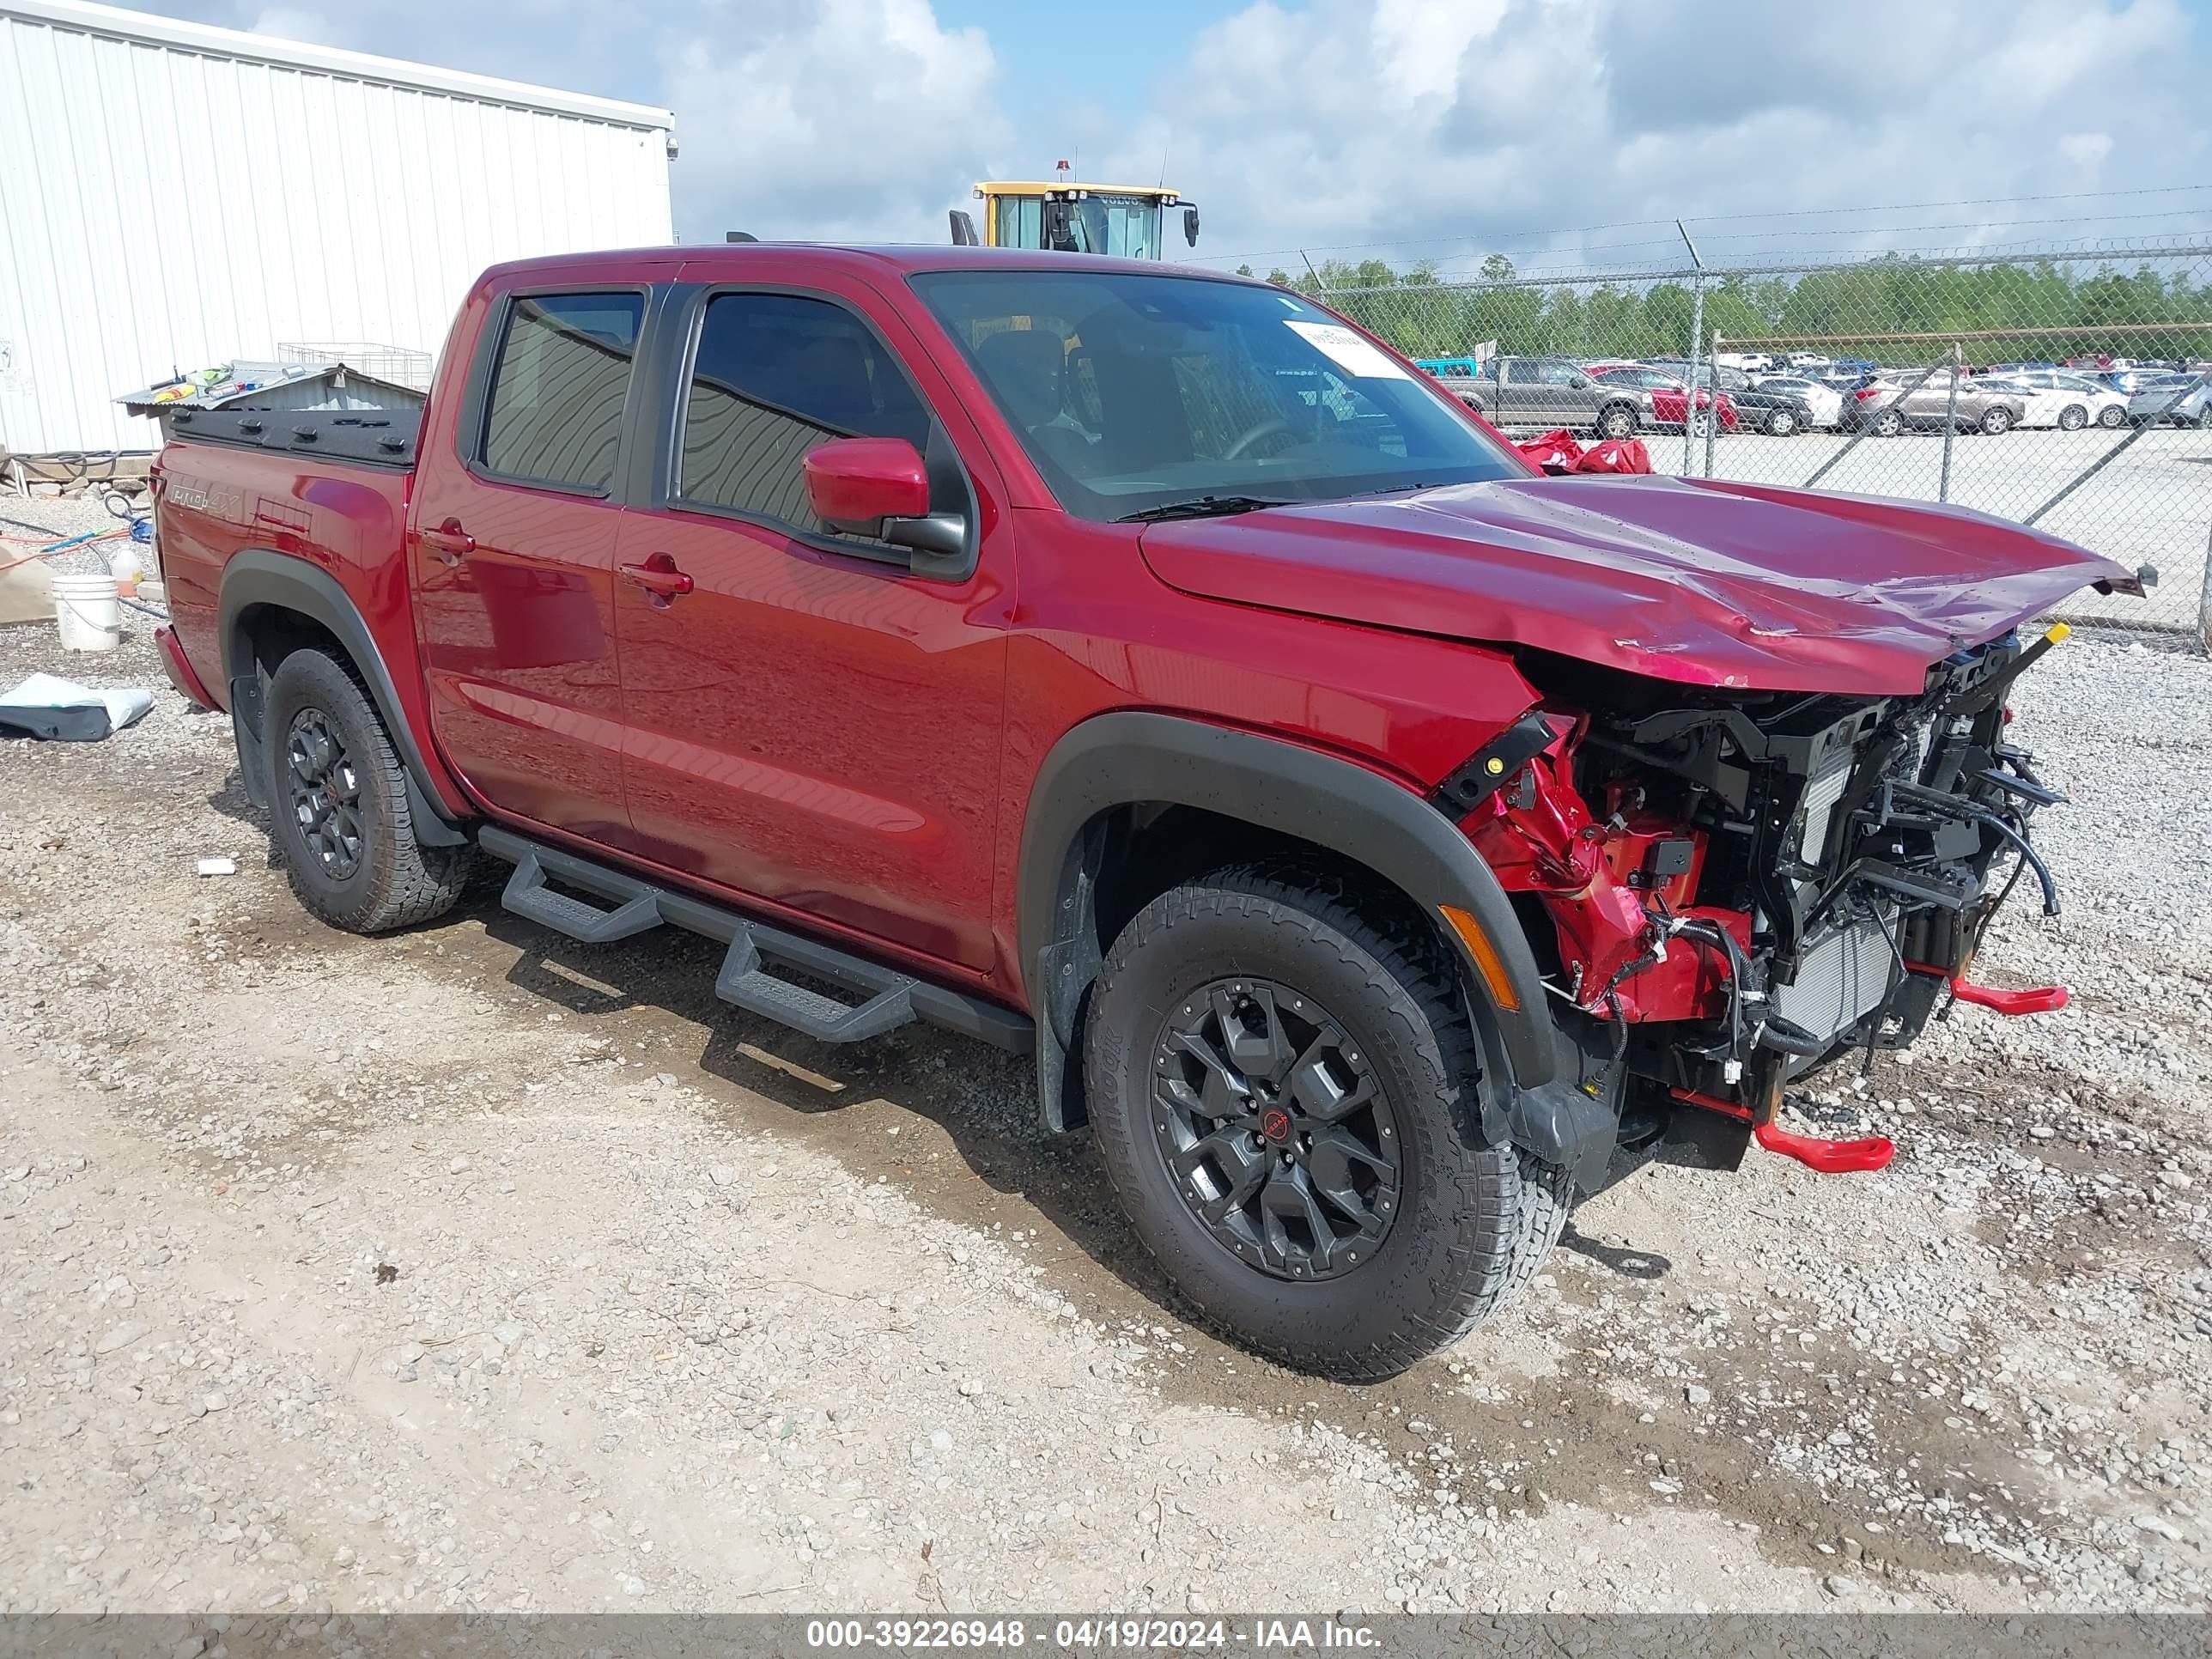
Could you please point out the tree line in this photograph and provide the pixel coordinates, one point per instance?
(1423, 315)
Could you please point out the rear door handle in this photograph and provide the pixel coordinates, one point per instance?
(450, 541)
(658, 576)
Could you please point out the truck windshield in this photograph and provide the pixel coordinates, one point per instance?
(1127, 227)
(1137, 393)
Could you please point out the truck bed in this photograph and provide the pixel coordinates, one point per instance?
(329, 487)
(384, 437)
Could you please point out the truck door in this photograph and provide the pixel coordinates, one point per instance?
(809, 720)
(512, 557)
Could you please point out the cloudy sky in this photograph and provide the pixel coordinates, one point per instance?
(1568, 132)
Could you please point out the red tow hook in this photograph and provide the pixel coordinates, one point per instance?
(1829, 1156)
(2037, 999)
(2041, 1000)
(1814, 1151)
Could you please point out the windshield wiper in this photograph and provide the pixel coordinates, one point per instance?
(1200, 507)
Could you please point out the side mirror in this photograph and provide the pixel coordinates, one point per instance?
(1190, 226)
(964, 230)
(1580, 383)
(856, 483)
(880, 487)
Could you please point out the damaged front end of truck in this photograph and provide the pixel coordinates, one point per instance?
(1727, 890)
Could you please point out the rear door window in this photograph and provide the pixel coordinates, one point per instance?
(553, 413)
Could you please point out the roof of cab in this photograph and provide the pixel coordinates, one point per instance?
(900, 260)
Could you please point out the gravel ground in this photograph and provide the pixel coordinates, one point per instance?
(472, 1269)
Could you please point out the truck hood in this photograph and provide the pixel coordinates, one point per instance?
(1700, 581)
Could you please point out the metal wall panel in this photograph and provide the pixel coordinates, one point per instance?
(174, 196)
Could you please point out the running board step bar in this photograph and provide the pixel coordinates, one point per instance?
(887, 998)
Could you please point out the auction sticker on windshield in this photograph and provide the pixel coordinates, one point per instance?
(1347, 350)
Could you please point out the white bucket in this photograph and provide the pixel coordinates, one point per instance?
(86, 612)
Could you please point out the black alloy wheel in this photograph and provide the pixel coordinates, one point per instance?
(1273, 1130)
(325, 791)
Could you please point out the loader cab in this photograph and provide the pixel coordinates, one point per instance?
(1129, 221)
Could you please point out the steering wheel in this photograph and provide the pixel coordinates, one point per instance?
(1252, 434)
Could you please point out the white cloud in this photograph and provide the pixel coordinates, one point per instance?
(851, 119)
(2086, 151)
(1349, 122)
(1457, 125)
(290, 23)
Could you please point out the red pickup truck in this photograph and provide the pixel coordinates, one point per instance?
(1148, 670)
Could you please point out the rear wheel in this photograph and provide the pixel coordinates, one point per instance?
(1887, 424)
(2112, 414)
(1616, 421)
(341, 819)
(1995, 421)
(1781, 422)
(1285, 1091)
(2073, 418)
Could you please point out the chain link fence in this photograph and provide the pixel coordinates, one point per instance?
(2070, 391)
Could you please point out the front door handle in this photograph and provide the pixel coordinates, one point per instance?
(450, 542)
(658, 576)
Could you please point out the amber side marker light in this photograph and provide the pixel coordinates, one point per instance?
(1487, 962)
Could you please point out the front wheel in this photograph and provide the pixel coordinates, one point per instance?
(1287, 1094)
(1781, 422)
(2073, 418)
(2111, 415)
(340, 816)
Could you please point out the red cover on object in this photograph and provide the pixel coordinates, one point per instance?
(1616, 455)
(1555, 452)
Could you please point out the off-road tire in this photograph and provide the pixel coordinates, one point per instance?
(1465, 1238)
(1547, 1200)
(1616, 421)
(396, 881)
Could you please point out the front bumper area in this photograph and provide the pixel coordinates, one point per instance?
(1745, 890)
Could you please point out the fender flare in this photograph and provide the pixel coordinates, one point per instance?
(256, 577)
(1116, 759)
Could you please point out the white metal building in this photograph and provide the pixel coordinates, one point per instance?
(174, 196)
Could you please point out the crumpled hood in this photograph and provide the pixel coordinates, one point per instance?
(1701, 582)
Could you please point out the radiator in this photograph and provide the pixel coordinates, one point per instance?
(1841, 978)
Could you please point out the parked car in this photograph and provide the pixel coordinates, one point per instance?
(1824, 404)
(2058, 399)
(1461, 376)
(2173, 400)
(1885, 408)
(1550, 392)
(1364, 834)
(1777, 412)
(1679, 371)
(1665, 401)
(2128, 381)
